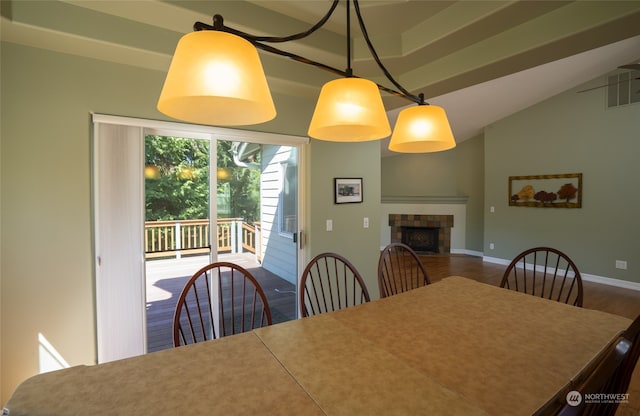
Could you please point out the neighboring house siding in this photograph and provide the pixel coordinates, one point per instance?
(278, 249)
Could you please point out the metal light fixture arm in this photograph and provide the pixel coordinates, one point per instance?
(260, 43)
(418, 99)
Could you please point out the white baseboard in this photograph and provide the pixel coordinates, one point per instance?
(467, 252)
(496, 260)
(586, 277)
(625, 284)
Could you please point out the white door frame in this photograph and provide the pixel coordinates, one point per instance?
(109, 343)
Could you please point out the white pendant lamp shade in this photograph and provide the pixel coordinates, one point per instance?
(216, 78)
(349, 110)
(422, 129)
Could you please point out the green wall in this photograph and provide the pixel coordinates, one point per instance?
(431, 174)
(470, 181)
(349, 238)
(569, 133)
(47, 269)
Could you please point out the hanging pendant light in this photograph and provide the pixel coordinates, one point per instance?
(216, 78)
(349, 110)
(422, 129)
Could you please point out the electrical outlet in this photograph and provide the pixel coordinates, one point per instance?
(621, 264)
(329, 225)
(365, 222)
(491, 246)
(492, 209)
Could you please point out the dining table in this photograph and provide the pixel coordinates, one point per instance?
(454, 347)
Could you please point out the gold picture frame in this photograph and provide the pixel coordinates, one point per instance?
(546, 191)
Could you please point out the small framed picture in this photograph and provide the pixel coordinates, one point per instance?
(347, 190)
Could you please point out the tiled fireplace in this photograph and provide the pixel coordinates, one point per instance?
(423, 233)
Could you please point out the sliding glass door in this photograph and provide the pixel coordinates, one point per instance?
(158, 219)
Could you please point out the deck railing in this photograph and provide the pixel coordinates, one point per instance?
(185, 237)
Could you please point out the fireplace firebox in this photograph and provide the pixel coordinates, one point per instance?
(421, 239)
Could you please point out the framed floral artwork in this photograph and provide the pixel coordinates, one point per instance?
(546, 191)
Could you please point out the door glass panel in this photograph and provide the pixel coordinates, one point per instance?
(254, 225)
(289, 195)
(176, 226)
(253, 187)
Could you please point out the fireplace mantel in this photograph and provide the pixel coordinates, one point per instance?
(425, 199)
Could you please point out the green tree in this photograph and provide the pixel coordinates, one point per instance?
(180, 188)
(177, 180)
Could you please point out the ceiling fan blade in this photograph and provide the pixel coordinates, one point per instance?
(631, 66)
(607, 85)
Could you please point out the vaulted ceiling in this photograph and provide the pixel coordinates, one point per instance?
(481, 60)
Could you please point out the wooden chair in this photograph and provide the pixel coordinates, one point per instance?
(330, 282)
(610, 376)
(545, 272)
(400, 269)
(242, 304)
(619, 381)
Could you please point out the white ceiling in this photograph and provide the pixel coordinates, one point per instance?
(480, 60)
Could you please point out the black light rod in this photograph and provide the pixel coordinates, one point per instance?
(267, 48)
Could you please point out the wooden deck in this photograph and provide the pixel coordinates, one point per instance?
(166, 278)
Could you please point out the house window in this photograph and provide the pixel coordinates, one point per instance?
(288, 199)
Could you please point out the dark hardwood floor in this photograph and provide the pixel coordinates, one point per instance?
(281, 297)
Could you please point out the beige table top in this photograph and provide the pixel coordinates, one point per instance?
(347, 374)
(455, 347)
(234, 375)
(436, 349)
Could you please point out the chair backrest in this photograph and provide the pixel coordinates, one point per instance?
(241, 304)
(545, 272)
(330, 282)
(632, 334)
(400, 269)
(609, 380)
